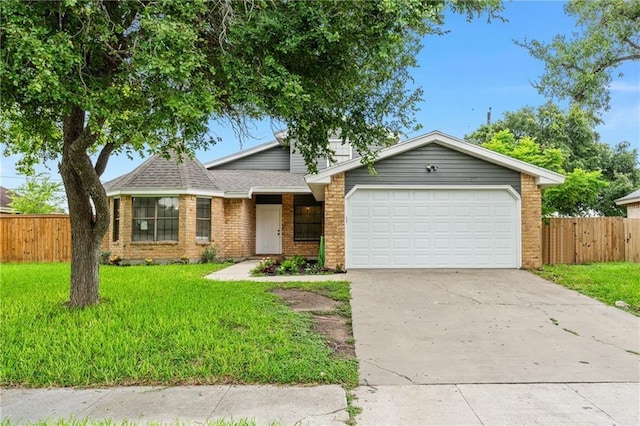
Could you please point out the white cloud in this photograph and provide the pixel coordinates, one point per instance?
(623, 86)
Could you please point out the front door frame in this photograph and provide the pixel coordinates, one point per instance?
(268, 228)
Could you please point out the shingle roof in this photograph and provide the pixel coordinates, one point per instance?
(633, 197)
(246, 180)
(5, 197)
(158, 172)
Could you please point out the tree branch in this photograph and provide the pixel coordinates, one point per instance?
(602, 67)
(632, 44)
(103, 158)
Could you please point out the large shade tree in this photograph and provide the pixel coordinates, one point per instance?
(573, 133)
(581, 67)
(83, 78)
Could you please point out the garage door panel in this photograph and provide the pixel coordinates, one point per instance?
(432, 228)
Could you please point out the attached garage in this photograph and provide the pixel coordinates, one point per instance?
(433, 202)
(396, 227)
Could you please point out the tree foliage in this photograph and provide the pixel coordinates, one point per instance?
(39, 195)
(575, 197)
(83, 77)
(581, 67)
(573, 132)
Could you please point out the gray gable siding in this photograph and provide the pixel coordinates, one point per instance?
(298, 165)
(454, 168)
(276, 158)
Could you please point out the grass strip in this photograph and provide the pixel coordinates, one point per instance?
(606, 282)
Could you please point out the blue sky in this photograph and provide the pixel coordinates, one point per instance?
(463, 73)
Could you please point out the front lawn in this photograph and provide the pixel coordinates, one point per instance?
(158, 325)
(607, 282)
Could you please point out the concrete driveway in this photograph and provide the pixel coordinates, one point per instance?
(486, 326)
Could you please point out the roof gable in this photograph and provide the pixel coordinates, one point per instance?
(544, 177)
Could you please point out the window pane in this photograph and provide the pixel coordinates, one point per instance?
(143, 230)
(116, 219)
(155, 219)
(307, 223)
(203, 219)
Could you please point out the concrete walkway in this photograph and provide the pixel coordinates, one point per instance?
(242, 272)
(479, 404)
(319, 405)
(500, 404)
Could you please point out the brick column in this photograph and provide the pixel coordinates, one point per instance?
(217, 226)
(187, 227)
(334, 211)
(531, 221)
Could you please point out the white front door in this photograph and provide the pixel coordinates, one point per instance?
(268, 220)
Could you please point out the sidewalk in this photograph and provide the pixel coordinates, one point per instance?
(288, 405)
(462, 404)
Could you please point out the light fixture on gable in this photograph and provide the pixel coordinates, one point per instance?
(431, 168)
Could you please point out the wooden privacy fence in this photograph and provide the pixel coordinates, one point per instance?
(590, 239)
(35, 238)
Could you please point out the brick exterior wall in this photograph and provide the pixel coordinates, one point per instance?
(334, 227)
(289, 246)
(233, 232)
(158, 250)
(633, 210)
(239, 228)
(531, 222)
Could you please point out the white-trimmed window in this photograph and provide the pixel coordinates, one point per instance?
(343, 152)
(155, 219)
(203, 219)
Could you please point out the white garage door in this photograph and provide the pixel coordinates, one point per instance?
(432, 228)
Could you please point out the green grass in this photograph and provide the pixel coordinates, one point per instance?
(607, 282)
(158, 325)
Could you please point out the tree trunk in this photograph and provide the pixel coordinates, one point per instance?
(88, 210)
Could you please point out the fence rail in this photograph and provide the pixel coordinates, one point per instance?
(35, 238)
(590, 239)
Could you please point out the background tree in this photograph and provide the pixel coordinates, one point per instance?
(95, 77)
(573, 132)
(38, 196)
(575, 197)
(582, 67)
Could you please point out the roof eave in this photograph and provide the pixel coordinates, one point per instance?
(164, 192)
(623, 202)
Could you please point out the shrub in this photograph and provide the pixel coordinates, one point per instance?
(209, 254)
(104, 257)
(292, 265)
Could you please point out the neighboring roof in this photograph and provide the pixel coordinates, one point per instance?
(544, 177)
(634, 197)
(5, 200)
(242, 154)
(159, 175)
(244, 183)
(5, 197)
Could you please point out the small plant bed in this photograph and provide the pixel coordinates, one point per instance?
(166, 325)
(292, 265)
(614, 283)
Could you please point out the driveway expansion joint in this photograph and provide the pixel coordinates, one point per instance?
(590, 402)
